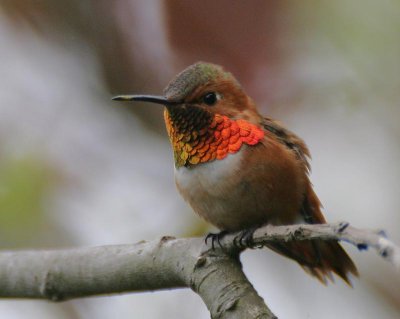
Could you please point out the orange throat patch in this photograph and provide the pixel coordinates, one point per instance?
(200, 139)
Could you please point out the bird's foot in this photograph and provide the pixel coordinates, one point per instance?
(215, 237)
(245, 238)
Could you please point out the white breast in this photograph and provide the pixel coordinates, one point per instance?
(211, 177)
(210, 188)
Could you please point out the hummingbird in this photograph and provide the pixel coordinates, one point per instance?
(239, 170)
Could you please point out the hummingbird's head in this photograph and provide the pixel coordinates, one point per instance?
(208, 115)
(210, 88)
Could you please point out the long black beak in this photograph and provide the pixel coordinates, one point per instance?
(145, 98)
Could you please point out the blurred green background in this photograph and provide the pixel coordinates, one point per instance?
(77, 169)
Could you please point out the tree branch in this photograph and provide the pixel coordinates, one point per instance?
(216, 275)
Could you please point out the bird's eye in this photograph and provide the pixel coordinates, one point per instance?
(210, 98)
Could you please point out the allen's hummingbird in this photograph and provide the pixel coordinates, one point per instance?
(239, 170)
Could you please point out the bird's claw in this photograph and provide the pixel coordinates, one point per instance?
(215, 237)
(245, 238)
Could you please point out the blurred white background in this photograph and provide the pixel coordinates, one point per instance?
(79, 170)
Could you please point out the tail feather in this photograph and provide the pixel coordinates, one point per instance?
(319, 259)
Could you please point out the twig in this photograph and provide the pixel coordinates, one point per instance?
(361, 238)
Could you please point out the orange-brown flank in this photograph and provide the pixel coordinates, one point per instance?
(209, 142)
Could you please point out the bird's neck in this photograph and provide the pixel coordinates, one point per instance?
(198, 137)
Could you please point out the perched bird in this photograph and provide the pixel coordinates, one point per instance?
(239, 170)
